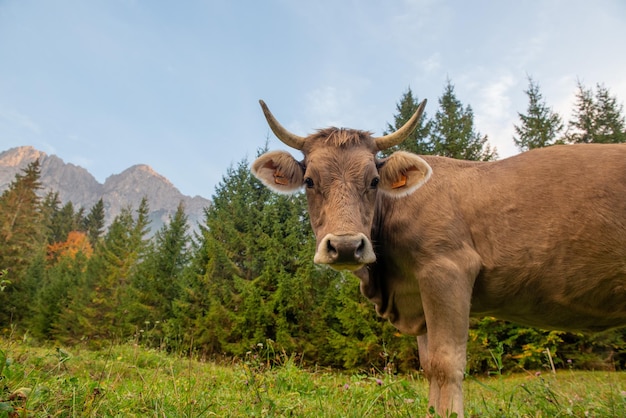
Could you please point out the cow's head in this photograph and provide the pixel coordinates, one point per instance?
(342, 177)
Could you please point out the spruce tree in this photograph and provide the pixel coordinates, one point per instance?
(417, 142)
(102, 308)
(157, 280)
(60, 279)
(50, 206)
(62, 222)
(597, 117)
(610, 124)
(93, 223)
(223, 258)
(453, 134)
(22, 239)
(540, 125)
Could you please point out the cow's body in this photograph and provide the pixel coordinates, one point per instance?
(539, 238)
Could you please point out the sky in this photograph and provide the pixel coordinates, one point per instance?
(107, 84)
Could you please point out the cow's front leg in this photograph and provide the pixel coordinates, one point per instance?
(443, 366)
(446, 295)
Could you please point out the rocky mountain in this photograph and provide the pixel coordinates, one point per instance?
(75, 184)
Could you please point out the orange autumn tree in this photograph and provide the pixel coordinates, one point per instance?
(76, 242)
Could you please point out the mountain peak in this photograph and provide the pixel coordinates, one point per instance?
(139, 171)
(15, 157)
(127, 189)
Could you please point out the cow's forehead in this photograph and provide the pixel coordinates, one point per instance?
(343, 159)
(350, 164)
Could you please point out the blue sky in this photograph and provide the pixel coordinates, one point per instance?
(106, 84)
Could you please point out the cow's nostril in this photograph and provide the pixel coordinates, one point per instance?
(332, 251)
(359, 250)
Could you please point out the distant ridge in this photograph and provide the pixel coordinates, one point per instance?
(75, 184)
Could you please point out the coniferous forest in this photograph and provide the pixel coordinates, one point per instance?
(247, 277)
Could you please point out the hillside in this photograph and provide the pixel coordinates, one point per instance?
(75, 184)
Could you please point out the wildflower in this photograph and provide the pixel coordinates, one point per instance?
(346, 386)
(537, 374)
(379, 382)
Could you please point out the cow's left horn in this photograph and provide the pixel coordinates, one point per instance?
(292, 140)
(401, 134)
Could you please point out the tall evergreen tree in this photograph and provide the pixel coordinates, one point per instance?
(50, 206)
(611, 126)
(540, 125)
(62, 222)
(417, 142)
(158, 278)
(22, 238)
(93, 223)
(224, 260)
(101, 309)
(53, 292)
(453, 133)
(597, 117)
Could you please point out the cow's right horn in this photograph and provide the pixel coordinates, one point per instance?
(403, 133)
(292, 140)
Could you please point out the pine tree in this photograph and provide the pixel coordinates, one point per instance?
(93, 223)
(157, 280)
(50, 205)
(102, 308)
(62, 222)
(597, 118)
(54, 289)
(22, 239)
(417, 142)
(453, 133)
(223, 268)
(610, 124)
(540, 126)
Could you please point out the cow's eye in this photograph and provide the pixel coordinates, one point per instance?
(374, 183)
(309, 182)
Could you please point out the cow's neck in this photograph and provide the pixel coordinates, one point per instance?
(380, 281)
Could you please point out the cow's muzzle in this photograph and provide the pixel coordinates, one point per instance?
(345, 252)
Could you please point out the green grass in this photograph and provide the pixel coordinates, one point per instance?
(127, 380)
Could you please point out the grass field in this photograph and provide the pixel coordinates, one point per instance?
(127, 380)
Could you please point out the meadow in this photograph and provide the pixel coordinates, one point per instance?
(128, 380)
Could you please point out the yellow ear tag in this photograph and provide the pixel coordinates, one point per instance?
(399, 183)
(280, 179)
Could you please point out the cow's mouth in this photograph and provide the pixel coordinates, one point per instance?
(346, 267)
(345, 252)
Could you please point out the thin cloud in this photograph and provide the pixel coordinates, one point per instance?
(21, 120)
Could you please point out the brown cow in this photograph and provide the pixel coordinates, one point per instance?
(538, 238)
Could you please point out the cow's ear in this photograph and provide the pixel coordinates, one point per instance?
(402, 173)
(279, 171)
